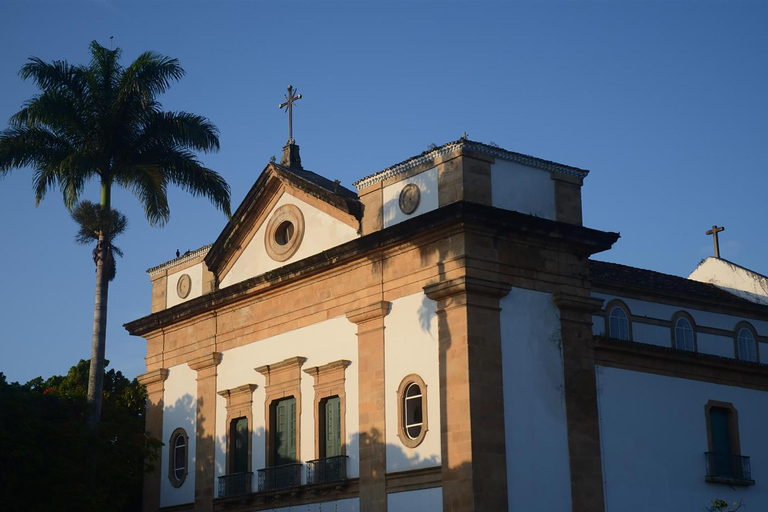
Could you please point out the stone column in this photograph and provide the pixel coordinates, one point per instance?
(154, 381)
(471, 394)
(581, 401)
(373, 435)
(205, 431)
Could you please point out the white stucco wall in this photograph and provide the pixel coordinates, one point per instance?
(425, 500)
(411, 347)
(322, 232)
(654, 434)
(661, 336)
(180, 398)
(196, 276)
(538, 468)
(427, 183)
(320, 343)
(732, 278)
(523, 189)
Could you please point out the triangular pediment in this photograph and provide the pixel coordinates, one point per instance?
(288, 214)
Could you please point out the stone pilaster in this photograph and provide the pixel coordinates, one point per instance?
(154, 381)
(581, 401)
(471, 394)
(371, 396)
(205, 432)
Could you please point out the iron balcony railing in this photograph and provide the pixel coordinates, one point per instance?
(329, 469)
(280, 477)
(727, 468)
(236, 484)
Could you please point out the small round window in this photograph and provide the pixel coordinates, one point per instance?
(179, 452)
(412, 400)
(284, 233)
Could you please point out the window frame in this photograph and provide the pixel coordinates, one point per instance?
(684, 315)
(239, 405)
(616, 303)
(402, 433)
(330, 381)
(733, 425)
(177, 434)
(737, 332)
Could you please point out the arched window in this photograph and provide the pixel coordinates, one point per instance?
(746, 344)
(412, 398)
(684, 336)
(178, 456)
(618, 324)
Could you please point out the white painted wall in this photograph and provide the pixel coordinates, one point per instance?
(661, 336)
(427, 183)
(321, 233)
(180, 410)
(320, 343)
(424, 500)
(654, 434)
(538, 468)
(523, 189)
(411, 346)
(732, 278)
(196, 275)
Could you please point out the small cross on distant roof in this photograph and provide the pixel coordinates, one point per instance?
(714, 231)
(290, 98)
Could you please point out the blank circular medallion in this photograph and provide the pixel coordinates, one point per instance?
(183, 286)
(409, 198)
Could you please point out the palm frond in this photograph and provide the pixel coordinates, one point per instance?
(180, 129)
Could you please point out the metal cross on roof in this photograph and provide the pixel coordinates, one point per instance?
(714, 231)
(290, 98)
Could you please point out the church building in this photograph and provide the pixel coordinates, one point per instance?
(440, 340)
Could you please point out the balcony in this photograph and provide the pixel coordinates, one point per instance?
(236, 484)
(728, 469)
(330, 469)
(280, 477)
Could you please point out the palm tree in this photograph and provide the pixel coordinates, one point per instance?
(102, 121)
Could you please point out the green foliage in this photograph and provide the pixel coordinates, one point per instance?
(719, 505)
(53, 463)
(94, 220)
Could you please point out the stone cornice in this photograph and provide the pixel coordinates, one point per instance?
(178, 261)
(465, 144)
(245, 389)
(577, 302)
(153, 377)
(578, 238)
(371, 311)
(341, 364)
(466, 285)
(286, 364)
(206, 361)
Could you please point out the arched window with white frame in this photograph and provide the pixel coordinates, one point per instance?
(618, 324)
(683, 333)
(746, 343)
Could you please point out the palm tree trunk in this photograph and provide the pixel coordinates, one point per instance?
(98, 346)
(96, 374)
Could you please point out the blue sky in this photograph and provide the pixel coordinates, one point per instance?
(664, 102)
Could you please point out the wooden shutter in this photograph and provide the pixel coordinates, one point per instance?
(285, 432)
(332, 427)
(239, 446)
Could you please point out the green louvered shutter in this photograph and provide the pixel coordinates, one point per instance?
(285, 432)
(239, 447)
(333, 427)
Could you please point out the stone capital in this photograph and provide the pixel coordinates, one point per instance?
(378, 309)
(206, 361)
(245, 389)
(153, 377)
(466, 285)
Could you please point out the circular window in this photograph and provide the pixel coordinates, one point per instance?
(409, 198)
(412, 414)
(177, 467)
(284, 233)
(184, 286)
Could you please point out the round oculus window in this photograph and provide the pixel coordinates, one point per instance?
(184, 286)
(412, 413)
(284, 233)
(409, 198)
